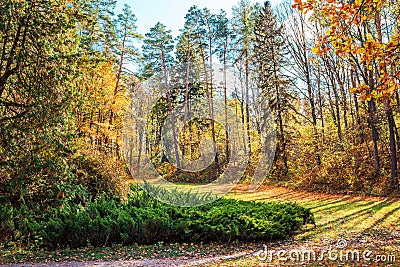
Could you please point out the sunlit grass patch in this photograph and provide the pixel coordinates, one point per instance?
(364, 222)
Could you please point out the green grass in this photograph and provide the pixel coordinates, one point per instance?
(336, 214)
(371, 223)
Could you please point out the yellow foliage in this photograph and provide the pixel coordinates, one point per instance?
(101, 106)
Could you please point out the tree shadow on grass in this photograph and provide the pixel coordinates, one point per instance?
(348, 221)
(321, 204)
(341, 205)
(378, 222)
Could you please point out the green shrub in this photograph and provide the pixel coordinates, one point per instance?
(144, 220)
(226, 220)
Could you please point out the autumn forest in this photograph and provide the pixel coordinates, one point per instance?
(305, 92)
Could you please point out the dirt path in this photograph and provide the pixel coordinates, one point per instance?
(180, 261)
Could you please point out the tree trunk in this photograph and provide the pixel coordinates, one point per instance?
(186, 99)
(372, 123)
(212, 109)
(226, 103)
(247, 96)
(394, 183)
(357, 108)
(176, 146)
(280, 120)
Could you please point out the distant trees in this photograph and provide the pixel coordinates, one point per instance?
(104, 92)
(205, 31)
(324, 115)
(243, 22)
(157, 54)
(125, 52)
(200, 42)
(363, 36)
(330, 76)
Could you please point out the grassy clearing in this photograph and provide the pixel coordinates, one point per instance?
(366, 223)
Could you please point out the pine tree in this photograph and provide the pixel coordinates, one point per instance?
(205, 30)
(125, 30)
(96, 28)
(157, 59)
(270, 60)
(222, 49)
(243, 31)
